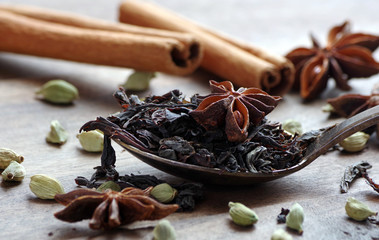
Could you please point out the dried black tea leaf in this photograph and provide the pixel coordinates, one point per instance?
(352, 172)
(374, 219)
(182, 148)
(141, 181)
(188, 195)
(281, 218)
(371, 182)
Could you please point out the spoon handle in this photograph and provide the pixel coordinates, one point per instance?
(339, 132)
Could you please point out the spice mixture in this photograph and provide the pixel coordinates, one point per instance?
(226, 130)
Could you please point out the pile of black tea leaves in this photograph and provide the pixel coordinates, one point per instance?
(163, 126)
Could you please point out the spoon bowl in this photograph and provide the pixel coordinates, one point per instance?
(321, 145)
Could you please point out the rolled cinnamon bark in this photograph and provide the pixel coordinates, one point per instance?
(75, 20)
(240, 63)
(286, 68)
(46, 33)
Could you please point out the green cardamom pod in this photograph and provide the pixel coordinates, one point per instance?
(164, 193)
(58, 91)
(295, 218)
(14, 172)
(57, 134)
(358, 210)
(242, 215)
(91, 141)
(164, 231)
(139, 81)
(292, 126)
(7, 156)
(355, 143)
(45, 187)
(328, 108)
(281, 234)
(109, 185)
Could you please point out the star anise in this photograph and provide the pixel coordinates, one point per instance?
(111, 209)
(349, 105)
(346, 55)
(235, 110)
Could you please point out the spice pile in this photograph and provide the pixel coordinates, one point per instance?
(226, 130)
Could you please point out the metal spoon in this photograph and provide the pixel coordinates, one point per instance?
(325, 141)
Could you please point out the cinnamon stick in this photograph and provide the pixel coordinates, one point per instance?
(47, 33)
(286, 68)
(243, 64)
(74, 20)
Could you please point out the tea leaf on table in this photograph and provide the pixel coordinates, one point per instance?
(281, 218)
(352, 172)
(371, 182)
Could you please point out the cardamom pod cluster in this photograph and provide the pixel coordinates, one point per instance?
(292, 126)
(57, 134)
(14, 172)
(164, 231)
(45, 187)
(58, 92)
(242, 215)
(7, 156)
(295, 218)
(164, 193)
(91, 141)
(109, 185)
(358, 210)
(355, 143)
(281, 234)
